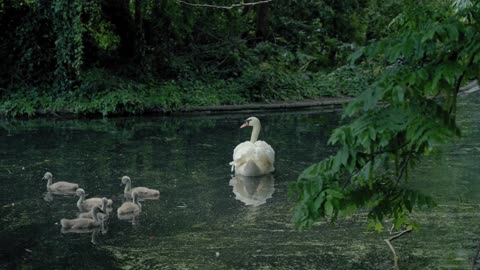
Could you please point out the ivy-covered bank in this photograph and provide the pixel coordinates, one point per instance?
(104, 94)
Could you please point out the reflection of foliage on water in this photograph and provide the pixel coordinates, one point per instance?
(186, 158)
(151, 134)
(115, 126)
(24, 244)
(16, 234)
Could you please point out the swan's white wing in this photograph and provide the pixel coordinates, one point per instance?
(253, 158)
(242, 150)
(242, 154)
(265, 149)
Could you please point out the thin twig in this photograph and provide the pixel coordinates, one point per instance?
(397, 235)
(225, 7)
(402, 169)
(388, 241)
(395, 257)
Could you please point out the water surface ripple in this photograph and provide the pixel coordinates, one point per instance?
(205, 218)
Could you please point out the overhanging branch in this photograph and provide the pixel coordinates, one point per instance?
(389, 240)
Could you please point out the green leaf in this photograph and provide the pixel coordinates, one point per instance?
(335, 193)
(328, 208)
(356, 55)
(379, 227)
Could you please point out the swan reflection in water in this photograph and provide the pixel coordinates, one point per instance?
(94, 230)
(97, 226)
(128, 197)
(50, 195)
(253, 190)
(132, 217)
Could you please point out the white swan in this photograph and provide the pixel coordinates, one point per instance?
(253, 158)
(60, 187)
(129, 209)
(86, 205)
(90, 214)
(83, 223)
(142, 192)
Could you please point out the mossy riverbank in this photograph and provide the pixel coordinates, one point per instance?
(102, 94)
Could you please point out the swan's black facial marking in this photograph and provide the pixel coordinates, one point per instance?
(246, 123)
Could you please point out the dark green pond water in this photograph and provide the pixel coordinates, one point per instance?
(204, 219)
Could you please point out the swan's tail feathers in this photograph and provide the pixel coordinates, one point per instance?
(66, 223)
(251, 169)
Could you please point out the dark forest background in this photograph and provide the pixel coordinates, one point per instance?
(111, 56)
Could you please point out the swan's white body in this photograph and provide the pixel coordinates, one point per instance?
(60, 187)
(130, 208)
(83, 223)
(253, 158)
(142, 192)
(86, 205)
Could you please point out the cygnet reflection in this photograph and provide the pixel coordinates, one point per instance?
(131, 217)
(253, 190)
(50, 195)
(94, 230)
(128, 197)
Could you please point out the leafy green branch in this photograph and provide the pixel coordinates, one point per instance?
(404, 115)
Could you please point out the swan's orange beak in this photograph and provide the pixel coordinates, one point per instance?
(244, 125)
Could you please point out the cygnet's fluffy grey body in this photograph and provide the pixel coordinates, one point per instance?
(133, 207)
(60, 186)
(142, 192)
(87, 204)
(104, 208)
(83, 223)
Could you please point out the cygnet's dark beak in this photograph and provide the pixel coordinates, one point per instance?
(101, 211)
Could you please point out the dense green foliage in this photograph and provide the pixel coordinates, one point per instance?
(110, 56)
(406, 112)
(107, 94)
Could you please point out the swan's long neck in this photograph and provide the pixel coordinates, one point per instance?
(255, 132)
(135, 199)
(95, 217)
(128, 187)
(49, 183)
(80, 201)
